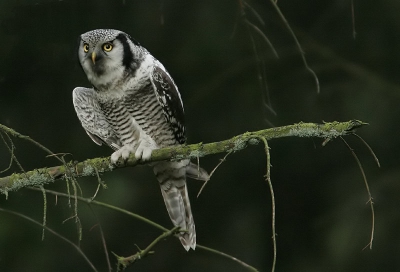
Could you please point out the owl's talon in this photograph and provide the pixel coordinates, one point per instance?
(124, 153)
(144, 150)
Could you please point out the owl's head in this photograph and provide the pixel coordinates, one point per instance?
(107, 55)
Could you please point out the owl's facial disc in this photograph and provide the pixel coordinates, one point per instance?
(102, 61)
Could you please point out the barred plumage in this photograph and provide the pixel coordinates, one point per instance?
(135, 107)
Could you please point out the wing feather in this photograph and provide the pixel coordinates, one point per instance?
(170, 100)
(92, 118)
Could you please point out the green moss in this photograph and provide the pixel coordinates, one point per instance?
(239, 144)
(196, 154)
(88, 170)
(254, 141)
(33, 178)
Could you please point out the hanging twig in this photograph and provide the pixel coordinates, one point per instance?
(303, 57)
(249, 267)
(371, 203)
(271, 190)
(212, 172)
(55, 233)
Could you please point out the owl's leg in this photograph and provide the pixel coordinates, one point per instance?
(127, 149)
(142, 146)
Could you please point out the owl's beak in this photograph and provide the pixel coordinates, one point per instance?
(94, 57)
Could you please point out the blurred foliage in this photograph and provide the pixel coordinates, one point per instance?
(322, 220)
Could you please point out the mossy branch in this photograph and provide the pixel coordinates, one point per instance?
(92, 167)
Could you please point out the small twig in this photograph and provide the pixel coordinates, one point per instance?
(106, 205)
(212, 172)
(103, 239)
(44, 209)
(198, 166)
(258, 30)
(260, 63)
(65, 220)
(58, 154)
(371, 203)
(255, 13)
(249, 267)
(124, 262)
(369, 148)
(262, 82)
(271, 189)
(16, 134)
(55, 233)
(75, 186)
(286, 23)
(97, 190)
(11, 150)
(101, 183)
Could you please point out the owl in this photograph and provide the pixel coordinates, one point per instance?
(134, 107)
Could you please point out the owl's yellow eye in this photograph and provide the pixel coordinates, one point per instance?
(107, 47)
(85, 47)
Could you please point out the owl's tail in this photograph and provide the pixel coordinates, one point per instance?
(172, 179)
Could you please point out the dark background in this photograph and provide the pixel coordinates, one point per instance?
(322, 220)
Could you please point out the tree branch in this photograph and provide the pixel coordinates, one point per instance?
(91, 201)
(92, 167)
(124, 262)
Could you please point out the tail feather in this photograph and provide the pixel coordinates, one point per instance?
(172, 179)
(196, 172)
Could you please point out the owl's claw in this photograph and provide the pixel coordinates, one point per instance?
(124, 153)
(142, 152)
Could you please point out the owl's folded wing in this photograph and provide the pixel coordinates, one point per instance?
(93, 121)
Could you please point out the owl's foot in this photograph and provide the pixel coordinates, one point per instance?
(144, 151)
(124, 152)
